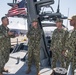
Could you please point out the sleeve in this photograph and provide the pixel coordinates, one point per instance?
(28, 33)
(67, 45)
(1, 34)
(40, 34)
(52, 41)
(65, 39)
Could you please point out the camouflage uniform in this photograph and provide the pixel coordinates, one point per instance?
(70, 47)
(57, 45)
(34, 36)
(4, 46)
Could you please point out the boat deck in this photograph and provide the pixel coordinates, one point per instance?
(16, 67)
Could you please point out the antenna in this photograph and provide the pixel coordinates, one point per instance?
(13, 1)
(67, 18)
(58, 10)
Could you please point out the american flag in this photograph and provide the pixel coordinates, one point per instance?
(18, 9)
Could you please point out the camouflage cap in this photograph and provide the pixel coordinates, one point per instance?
(34, 20)
(73, 17)
(59, 20)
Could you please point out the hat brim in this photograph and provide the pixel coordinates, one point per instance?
(58, 21)
(69, 18)
(34, 21)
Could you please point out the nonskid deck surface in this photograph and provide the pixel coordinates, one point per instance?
(19, 68)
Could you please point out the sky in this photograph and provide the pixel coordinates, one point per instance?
(67, 8)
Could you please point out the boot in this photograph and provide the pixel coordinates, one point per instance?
(38, 73)
(4, 70)
(1, 74)
(52, 73)
(28, 71)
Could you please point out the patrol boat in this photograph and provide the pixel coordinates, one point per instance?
(17, 64)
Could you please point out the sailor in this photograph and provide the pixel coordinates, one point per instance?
(57, 44)
(5, 44)
(34, 36)
(70, 45)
